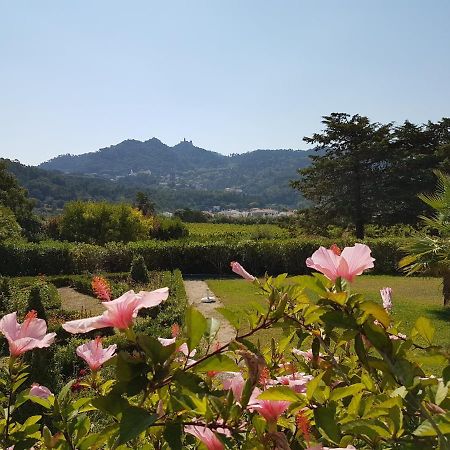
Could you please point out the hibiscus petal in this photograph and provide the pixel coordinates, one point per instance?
(324, 261)
(85, 325)
(9, 326)
(358, 259)
(153, 298)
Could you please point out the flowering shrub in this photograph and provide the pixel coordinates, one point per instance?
(101, 288)
(341, 376)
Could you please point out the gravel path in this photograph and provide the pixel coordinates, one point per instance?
(195, 291)
(71, 300)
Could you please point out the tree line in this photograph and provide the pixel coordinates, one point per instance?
(367, 172)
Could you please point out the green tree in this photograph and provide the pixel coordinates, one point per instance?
(101, 222)
(144, 204)
(414, 151)
(429, 252)
(15, 197)
(192, 216)
(9, 228)
(342, 179)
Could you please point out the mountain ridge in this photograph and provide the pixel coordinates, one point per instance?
(183, 175)
(145, 155)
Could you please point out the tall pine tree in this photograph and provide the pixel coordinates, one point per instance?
(342, 179)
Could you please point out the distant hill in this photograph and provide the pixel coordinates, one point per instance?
(52, 189)
(259, 177)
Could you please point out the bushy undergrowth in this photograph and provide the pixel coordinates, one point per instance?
(40, 294)
(341, 375)
(272, 256)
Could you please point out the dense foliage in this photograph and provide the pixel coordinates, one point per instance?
(429, 251)
(10, 230)
(167, 228)
(15, 198)
(342, 376)
(381, 169)
(61, 363)
(102, 222)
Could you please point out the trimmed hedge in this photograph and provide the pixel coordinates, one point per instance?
(272, 256)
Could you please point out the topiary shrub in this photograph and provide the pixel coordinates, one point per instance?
(138, 270)
(35, 302)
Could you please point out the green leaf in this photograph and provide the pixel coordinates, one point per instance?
(446, 374)
(310, 283)
(195, 327)
(190, 381)
(396, 415)
(111, 404)
(94, 440)
(404, 370)
(342, 392)
(376, 311)
(441, 393)
(127, 368)
(64, 391)
(378, 337)
(372, 429)
(217, 363)
(134, 421)
(338, 319)
(425, 429)
(325, 418)
(157, 352)
(313, 385)
(360, 349)
(425, 329)
(337, 297)
(212, 328)
(172, 434)
(280, 393)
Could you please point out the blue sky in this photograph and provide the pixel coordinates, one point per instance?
(232, 75)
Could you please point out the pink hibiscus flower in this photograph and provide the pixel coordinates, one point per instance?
(26, 336)
(271, 410)
(206, 435)
(237, 268)
(94, 353)
(349, 263)
(234, 381)
(297, 381)
(119, 312)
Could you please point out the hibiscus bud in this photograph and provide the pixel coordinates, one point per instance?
(238, 269)
(40, 391)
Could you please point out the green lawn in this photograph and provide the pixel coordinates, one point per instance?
(412, 297)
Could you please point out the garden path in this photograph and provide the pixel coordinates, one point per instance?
(72, 300)
(196, 290)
